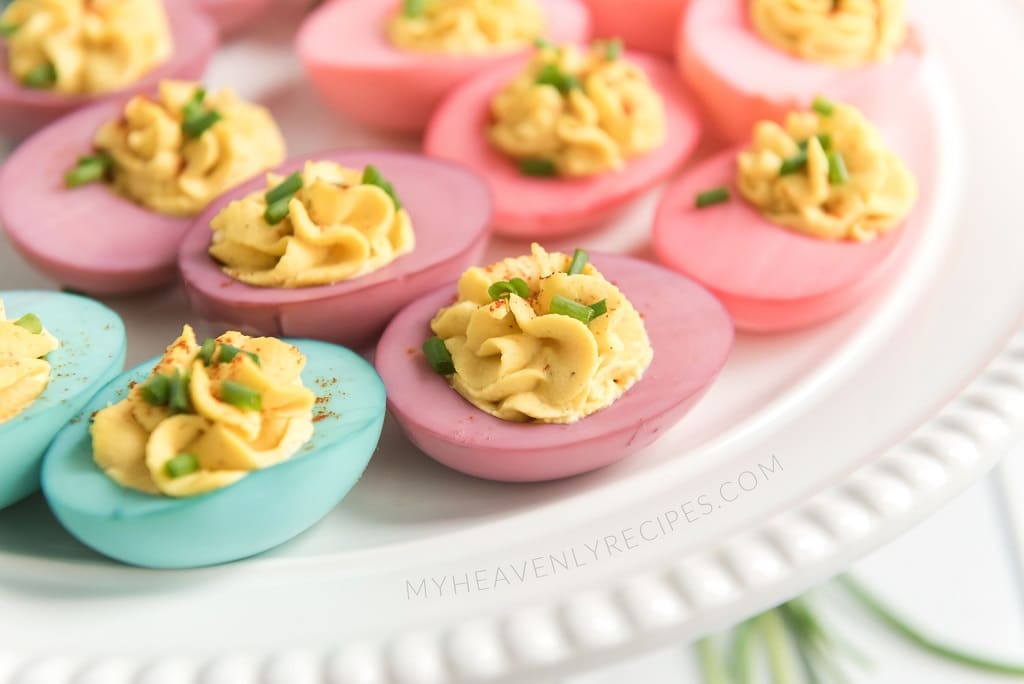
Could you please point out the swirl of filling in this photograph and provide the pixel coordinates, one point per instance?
(466, 27)
(519, 360)
(840, 32)
(337, 225)
(826, 173)
(574, 113)
(85, 46)
(179, 152)
(207, 416)
(24, 370)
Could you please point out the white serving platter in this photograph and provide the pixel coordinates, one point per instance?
(842, 436)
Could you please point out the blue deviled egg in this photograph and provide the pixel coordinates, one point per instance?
(215, 451)
(56, 351)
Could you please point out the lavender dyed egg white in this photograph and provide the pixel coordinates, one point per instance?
(691, 335)
(23, 110)
(450, 210)
(231, 16)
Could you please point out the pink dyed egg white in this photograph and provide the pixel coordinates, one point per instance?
(23, 110)
(647, 25)
(691, 335)
(774, 279)
(450, 209)
(87, 238)
(530, 207)
(358, 72)
(740, 79)
(233, 15)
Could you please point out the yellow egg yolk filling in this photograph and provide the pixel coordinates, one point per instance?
(84, 46)
(179, 152)
(338, 224)
(826, 173)
(574, 113)
(518, 360)
(465, 27)
(24, 370)
(207, 416)
(839, 32)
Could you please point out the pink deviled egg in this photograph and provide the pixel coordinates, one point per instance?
(24, 110)
(528, 206)
(741, 78)
(648, 25)
(689, 333)
(233, 15)
(449, 210)
(771, 277)
(357, 69)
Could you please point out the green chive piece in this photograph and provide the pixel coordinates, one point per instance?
(599, 308)
(373, 176)
(89, 169)
(578, 262)
(43, 76)
(714, 196)
(206, 351)
(538, 168)
(438, 356)
(286, 188)
(31, 323)
(7, 30)
(229, 352)
(543, 44)
(837, 173)
(197, 125)
(239, 395)
(181, 465)
(823, 106)
(824, 139)
(613, 49)
(564, 306)
(156, 392)
(278, 211)
(551, 75)
(505, 288)
(414, 8)
(177, 395)
(794, 164)
(194, 107)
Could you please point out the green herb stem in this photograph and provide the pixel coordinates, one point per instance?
(31, 323)
(156, 392)
(278, 211)
(178, 400)
(538, 168)
(711, 663)
(285, 189)
(837, 172)
(823, 106)
(41, 77)
(710, 197)
(438, 356)
(181, 465)
(579, 261)
(89, 169)
(563, 306)
(373, 176)
(240, 396)
(505, 288)
(552, 75)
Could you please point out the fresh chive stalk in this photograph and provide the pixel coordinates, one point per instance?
(229, 352)
(177, 394)
(823, 106)
(240, 396)
(206, 351)
(552, 75)
(837, 172)
(278, 211)
(373, 176)
(563, 306)
(31, 323)
(600, 308)
(181, 465)
(505, 288)
(711, 197)
(157, 391)
(89, 169)
(198, 125)
(438, 356)
(286, 188)
(538, 168)
(794, 164)
(41, 77)
(579, 261)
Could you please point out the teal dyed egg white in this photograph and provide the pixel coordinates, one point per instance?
(91, 352)
(260, 511)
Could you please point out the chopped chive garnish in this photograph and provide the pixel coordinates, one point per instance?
(89, 169)
(414, 8)
(578, 262)
(599, 308)
(197, 125)
(823, 106)
(564, 306)
(824, 139)
(43, 76)
(8, 29)
(239, 395)
(837, 173)
(505, 288)
(181, 465)
(206, 351)
(278, 211)
(177, 393)
(229, 352)
(539, 168)
(31, 323)
(613, 49)
(438, 356)
(373, 176)
(156, 392)
(794, 164)
(286, 188)
(194, 107)
(714, 196)
(551, 75)
(543, 44)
